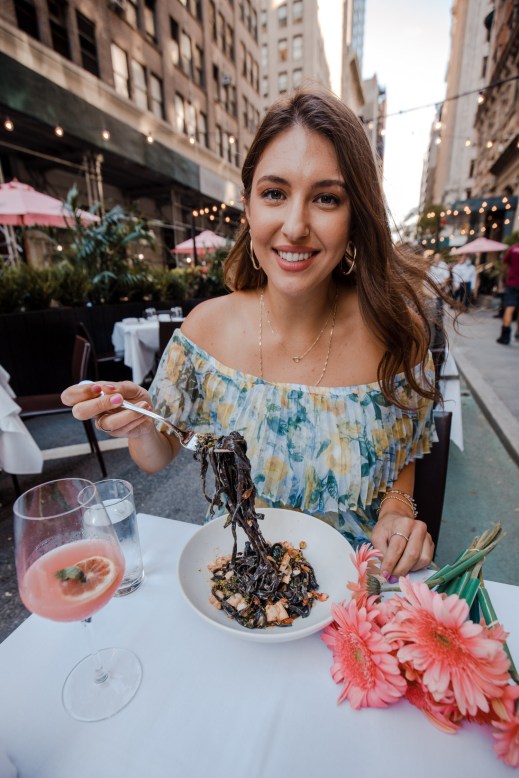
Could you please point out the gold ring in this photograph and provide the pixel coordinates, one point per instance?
(99, 420)
(401, 535)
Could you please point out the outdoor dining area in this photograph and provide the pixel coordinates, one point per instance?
(184, 690)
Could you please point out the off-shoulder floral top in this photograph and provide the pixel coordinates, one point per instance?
(328, 451)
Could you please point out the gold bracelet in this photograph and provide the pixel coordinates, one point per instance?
(403, 497)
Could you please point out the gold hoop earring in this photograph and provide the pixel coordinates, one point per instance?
(349, 255)
(255, 264)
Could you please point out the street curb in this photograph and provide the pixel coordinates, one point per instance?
(499, 417)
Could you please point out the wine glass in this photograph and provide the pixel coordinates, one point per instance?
(69, 564)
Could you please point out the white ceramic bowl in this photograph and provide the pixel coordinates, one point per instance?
(327, 551)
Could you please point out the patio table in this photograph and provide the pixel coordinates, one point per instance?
(211, 704)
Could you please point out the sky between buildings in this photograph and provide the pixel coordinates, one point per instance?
(406, 44)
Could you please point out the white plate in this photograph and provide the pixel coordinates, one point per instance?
(327, 551)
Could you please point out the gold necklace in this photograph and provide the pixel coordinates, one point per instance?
(316, 341)
(260, 336)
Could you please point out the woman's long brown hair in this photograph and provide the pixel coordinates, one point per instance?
(390, 281)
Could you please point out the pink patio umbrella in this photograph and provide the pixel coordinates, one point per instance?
(205, 242)
(480, 245)
(23, 206)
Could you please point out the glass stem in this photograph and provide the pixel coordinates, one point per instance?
(100, 675)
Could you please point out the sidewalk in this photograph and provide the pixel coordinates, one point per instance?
(491, 372)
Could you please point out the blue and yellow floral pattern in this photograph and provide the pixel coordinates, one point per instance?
(328, 451)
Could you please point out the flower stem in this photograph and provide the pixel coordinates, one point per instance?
(490, 616)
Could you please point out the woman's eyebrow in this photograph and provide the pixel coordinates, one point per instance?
(318, 184)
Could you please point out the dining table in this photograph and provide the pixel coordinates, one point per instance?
(19, 452)
(137, 341)
(211, 704)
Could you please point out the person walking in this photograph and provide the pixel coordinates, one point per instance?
(464, 280)
(511, 294)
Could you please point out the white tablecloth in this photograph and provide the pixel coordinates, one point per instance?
(211, 705)
(138, 341)
(19, 453)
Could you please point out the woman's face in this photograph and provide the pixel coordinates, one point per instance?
(298, 211)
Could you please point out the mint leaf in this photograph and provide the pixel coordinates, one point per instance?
(72, 573)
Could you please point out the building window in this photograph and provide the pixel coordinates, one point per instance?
(131, 13)
(297, 10)
(264, 55)
(471, 168)
(186, 54)
(219, 140)
(282, 15)
(156, 96)
(484, 64)
(220, 34)
(202, 129)
(212, 20)
(297, 77)
(198, 61)
(191, 120)
(230, 42)
(243, 57)
(194, 7)
(175, 41)
(263, 19)
(297, 47)
(264, 86)
(245, 113)
(255, 76)
(254, 24)
(283, 50)
(58, 27)
(150, 26)
(87, 43)
(282, 82)
(26, 17)
(140, 93)
(216, 83)
(180, 118)
(120, 68)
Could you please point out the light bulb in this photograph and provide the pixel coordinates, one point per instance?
(105, 135)
(59, 131)
(9, 125)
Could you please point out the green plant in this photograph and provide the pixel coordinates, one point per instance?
(103, 250)
(73, 285)
(39, 287)
(11, 289)
(170, 284)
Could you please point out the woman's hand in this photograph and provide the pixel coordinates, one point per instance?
(102, 401)
(404, 541)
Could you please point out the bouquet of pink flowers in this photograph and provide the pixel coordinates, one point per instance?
(439, 645)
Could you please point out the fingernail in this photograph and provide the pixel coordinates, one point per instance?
(385, 574)
(393, 579)
(96, 388)
(109, 386)
(116, 399)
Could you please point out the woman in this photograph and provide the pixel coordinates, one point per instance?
(319, 355)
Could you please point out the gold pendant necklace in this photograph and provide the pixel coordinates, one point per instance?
(333, 314)
(316, 341)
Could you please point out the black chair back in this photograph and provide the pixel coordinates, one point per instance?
(166, 329)
(431, 476)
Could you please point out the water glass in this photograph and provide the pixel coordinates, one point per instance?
(176, 312)
(150, 314)
(117, 497)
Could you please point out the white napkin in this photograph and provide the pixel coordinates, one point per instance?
(130, 320)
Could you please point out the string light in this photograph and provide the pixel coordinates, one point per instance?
(468, 142)
(9, 125)
(489, 144)
(105, 135)
(150, 138)
(192, 140)
(58, 130)
(481, 98)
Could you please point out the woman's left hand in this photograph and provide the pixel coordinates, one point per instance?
(405, 543)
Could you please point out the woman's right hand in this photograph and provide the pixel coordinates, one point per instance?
(101, 401)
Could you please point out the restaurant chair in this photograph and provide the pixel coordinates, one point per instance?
(166, 329)
(50, 404)
(431, 476)
(107, 366)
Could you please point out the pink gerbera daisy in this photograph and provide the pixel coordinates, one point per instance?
(362, 658)
(452, 654)
(366, 560)
(507, 740)
(443, 715)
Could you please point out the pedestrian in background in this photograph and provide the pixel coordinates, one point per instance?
(511, 293)
(464, 281)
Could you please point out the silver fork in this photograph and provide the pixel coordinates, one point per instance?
(188, 439)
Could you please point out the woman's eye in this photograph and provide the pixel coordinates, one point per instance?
(272, 194)
(328, 199)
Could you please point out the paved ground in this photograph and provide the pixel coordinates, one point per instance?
(482, 486)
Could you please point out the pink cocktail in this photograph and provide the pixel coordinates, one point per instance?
(43, 592)
(69, 564)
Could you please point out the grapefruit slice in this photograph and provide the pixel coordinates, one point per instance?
(97, 574)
